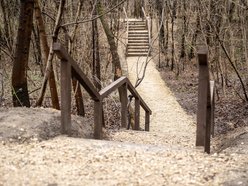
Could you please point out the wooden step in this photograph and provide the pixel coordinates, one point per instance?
(138, 32)
(138, 41)
(136, 54)
(138, 46)
(137, 23)
(137, 38)
(138, 35)
(136, 28)
(145, 45)
(137, 51)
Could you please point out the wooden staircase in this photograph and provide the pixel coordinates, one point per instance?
(138, 38)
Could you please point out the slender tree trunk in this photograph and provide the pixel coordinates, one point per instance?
(96, 71)
(161, 31)
(19, 72)
(76, 86)
(49, 68)
(45, 49)
(37, 48)
(111, 41)
(244, 37)
(173, 16)
(7, 28)
(166, 47)
(194, 38)
(183, 52)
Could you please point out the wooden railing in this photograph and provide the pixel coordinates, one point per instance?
(206, 103)
(148, 25)
(69, 68)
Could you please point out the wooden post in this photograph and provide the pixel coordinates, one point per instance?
(212, 94)
(137, 114)
(98, 119)
(65, 97)
(1, 86)
(124, 106)
(147, 121)
(208, 121)
(202, 97)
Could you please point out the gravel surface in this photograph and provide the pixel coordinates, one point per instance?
(72, 161)
(164, 156)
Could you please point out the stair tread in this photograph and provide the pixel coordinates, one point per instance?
(138, 41)
(145, 54)
(138, 32)
(138, 37)
(131, 46)
(137, 28)
(138, 50)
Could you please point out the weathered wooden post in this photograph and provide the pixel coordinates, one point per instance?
(65, 97)
(137, 114)
(1, 85)
(124, 106)
(205, 107)
(208, 121)
(212, 95)
(98, 119)
(202, 96)
(147, 121)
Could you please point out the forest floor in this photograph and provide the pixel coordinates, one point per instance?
(33, 152)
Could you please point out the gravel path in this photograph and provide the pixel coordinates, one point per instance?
(164, 156)
(168, 116)
(71, 161)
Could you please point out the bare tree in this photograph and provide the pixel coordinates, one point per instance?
(111, 41)
(96, 66)
(19, 72)
(49, 68)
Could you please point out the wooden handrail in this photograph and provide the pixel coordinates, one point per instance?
(118, 83)
(148, 25)
(76, 71)
(124, 83)
(205, 107)
(136, 95)
(70, 68)
(112, 87)
(125, 12)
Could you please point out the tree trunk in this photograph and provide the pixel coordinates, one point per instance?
(49, 67)
(7, 28)
(183, 53)
(96, 71)
(160, 6)
(194, 38)
(173, 17)
(111, 41)
(76, 86)
(166, 47)
(19, 73)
